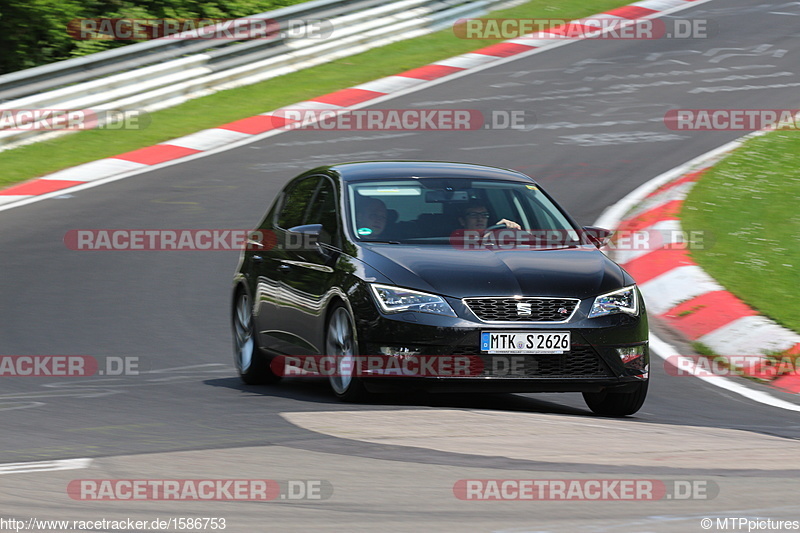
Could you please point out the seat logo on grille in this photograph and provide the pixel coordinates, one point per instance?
(563, 310)
(524, 309)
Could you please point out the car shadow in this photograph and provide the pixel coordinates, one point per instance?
(315, 395)
(309, 393)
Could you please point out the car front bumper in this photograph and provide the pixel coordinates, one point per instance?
(600, 357)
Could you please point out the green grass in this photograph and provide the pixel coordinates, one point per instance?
(722, 361)
(748, 208)
(702, 349)
(45, 157)
(691, 311)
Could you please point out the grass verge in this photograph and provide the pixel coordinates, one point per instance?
(747, 207)
(702, 349)
(49, 156)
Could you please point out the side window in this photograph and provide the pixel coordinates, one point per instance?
(500, 205)
(324, 211)
(297, 203)
(546, 214)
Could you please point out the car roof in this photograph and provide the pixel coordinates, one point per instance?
(379, 170)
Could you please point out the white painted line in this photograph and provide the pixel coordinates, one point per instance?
(665, 351)
(44, 466)
(208, 139)
(466, 61)
(659, 5)
(390, 84)
(678, 192)
(11, 198)
(658, 235)
(605, 16)
(549, 36)
(613, 214)
(611, 218)
(750, 335)
(530, 40)
(308, 104)
(95, 170)
(664, 292)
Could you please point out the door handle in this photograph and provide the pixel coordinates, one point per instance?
(284, 268)
(257, 259)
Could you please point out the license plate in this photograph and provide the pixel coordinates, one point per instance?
(554, 342)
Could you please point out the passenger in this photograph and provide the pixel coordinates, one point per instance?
(371, 218)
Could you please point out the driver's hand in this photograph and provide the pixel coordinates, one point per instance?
(510, 224)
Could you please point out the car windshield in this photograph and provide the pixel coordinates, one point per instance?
(445, 211)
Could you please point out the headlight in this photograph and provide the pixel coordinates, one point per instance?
(396, 300)
(621, 301)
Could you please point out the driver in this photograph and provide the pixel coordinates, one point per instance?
(371, 218)
(475, 216)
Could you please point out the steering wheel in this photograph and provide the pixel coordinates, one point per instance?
(496, 226)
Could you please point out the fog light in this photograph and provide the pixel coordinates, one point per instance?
(398, 351)
(629, 353)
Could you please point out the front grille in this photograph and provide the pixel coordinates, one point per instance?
(580, 362)
(508, 310)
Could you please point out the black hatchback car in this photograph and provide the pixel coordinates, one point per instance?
(416, 263)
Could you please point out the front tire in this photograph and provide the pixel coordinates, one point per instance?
(253, 366)
(607, 403)
(341, 343)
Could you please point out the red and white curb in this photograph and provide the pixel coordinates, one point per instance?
(44, 466)
(677, 290)
(256, 127)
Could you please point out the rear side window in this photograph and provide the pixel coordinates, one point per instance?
(297, 202)
(324, 211)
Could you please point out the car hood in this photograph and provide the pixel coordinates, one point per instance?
(581, 272)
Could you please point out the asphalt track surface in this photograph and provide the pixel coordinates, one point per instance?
(599, 133)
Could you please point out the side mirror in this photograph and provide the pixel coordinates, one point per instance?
(597, 236)
(309, 237)
(308, 229)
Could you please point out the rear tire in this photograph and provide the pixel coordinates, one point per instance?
(341, 343)
(253, 366)
(617, 403)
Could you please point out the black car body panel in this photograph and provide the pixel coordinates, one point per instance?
(293, 288)
(573, 272)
